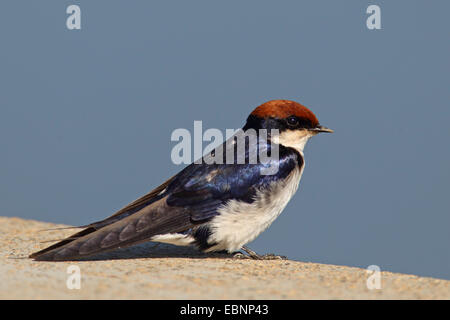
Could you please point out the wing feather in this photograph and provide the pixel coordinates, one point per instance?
(156, 218)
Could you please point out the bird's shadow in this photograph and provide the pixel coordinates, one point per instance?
(152, 250)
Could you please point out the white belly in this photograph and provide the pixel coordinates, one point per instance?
(239, 222)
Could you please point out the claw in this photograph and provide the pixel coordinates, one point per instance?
(253, 255)
(271, 256)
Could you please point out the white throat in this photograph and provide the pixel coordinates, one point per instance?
(294, 139)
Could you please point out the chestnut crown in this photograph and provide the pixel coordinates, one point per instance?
(284, 115)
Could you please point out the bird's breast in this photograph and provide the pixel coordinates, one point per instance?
(240, 222)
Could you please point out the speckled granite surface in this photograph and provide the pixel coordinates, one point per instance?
(168, 272)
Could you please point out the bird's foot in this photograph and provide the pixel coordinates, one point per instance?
(240, 255)
(271, 256)
(253, 255)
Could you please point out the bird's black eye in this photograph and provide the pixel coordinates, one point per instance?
(292, 121)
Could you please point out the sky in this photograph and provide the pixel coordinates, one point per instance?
(86, 116)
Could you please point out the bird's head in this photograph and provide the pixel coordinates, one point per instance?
(294, 122)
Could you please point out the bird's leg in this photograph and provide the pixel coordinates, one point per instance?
(253, 255)
(250, 254)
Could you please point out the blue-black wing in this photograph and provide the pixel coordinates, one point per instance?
(203, 188)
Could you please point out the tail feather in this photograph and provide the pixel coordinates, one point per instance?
(156, 218)
(125, 212)
(62, 243)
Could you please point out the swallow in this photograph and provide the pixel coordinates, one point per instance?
(214, 206)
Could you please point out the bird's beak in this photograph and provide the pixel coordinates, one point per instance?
(321, 129)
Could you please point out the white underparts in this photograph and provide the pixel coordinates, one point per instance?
(240, 222)
(178, 239)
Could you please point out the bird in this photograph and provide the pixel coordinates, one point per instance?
(214, 206)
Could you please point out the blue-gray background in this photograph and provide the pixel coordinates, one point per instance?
(86, 116)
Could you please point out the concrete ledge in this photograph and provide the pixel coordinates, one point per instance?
(169, 272)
